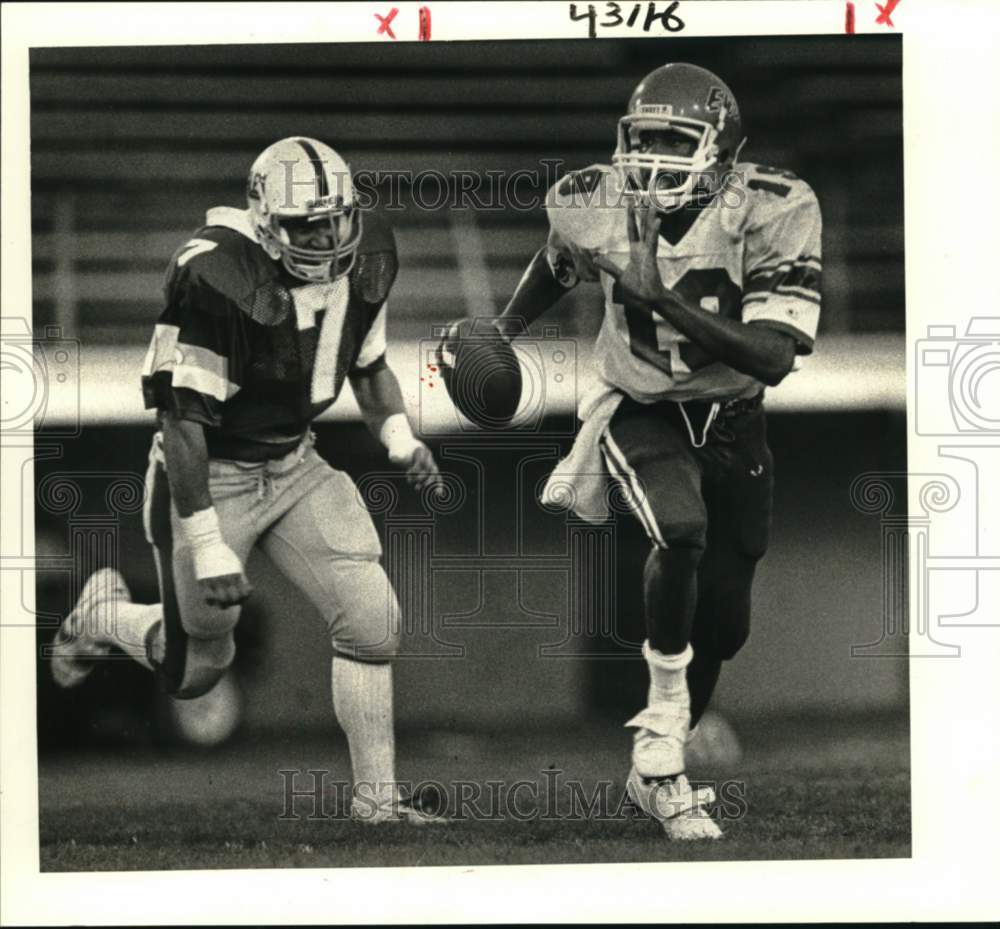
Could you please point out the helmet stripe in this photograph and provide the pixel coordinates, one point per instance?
(322, 189)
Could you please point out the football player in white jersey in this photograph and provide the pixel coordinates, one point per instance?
(710, 268)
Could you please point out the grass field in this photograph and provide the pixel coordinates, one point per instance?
(806, 788)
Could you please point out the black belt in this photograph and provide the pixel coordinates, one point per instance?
(741, 406)
(700, 416)
(727, 408)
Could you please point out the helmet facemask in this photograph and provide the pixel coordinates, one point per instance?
(316, 265)
(670, 180)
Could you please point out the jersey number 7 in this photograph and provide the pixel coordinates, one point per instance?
(675, 352)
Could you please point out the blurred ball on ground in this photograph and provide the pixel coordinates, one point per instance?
(211, 719)
(714, 742)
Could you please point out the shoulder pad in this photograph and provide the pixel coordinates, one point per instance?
(229, 265)
(770, 194)
(377, 261)
(775, 186)
(581, 182)
(376, 233)
(584, 207)
(221, 259)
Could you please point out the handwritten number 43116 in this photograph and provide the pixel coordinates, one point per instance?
(614, 16)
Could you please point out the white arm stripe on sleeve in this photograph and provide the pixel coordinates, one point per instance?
(205, 382)
(794, 312)
(804, 293)
(190, 366)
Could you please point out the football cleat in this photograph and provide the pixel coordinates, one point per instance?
(660, 738)
(399, 810)
(691, 826)
(86, 635)
(675, 804)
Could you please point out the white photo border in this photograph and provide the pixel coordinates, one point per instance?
(950, 127)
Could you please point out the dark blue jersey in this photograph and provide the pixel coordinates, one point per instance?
(250, 352)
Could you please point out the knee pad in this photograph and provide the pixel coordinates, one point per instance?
(205, 661)
(367, 625)
(690, 534)
(673, 560)
(210, 622)
(376, 650)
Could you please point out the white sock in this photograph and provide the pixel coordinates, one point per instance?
(658, 745)
(130, 624)
(667, 675)
(362, 701)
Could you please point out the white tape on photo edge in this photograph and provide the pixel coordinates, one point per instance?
(952, 739)
(102, 24)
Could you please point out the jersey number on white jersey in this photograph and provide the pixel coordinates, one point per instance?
(654, 340)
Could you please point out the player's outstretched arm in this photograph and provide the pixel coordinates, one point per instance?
(537, 291)
(755, 349)
(381, 403)
(218, 569)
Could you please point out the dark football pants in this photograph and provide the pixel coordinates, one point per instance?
(707, 512)
(309, 520)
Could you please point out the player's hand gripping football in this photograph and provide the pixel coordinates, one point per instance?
(421, 468)
(639, 280)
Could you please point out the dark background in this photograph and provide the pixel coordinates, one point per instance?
(818, 593)
(131, 146)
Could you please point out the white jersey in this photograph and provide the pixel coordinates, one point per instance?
(753, 254)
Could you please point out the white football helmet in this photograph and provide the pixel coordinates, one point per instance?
(301, 182)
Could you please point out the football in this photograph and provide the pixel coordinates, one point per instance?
(481, 372)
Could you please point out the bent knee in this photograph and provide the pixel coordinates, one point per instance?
(367, 622)
(205, 662)
(682, 558)
(208, 623)
(371, 642)
(686, 534)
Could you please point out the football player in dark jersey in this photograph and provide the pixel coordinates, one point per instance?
(268, 311)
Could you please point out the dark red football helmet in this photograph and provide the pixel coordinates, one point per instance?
(687, 101)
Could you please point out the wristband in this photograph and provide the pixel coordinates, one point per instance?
(397, 437)
(212, 557)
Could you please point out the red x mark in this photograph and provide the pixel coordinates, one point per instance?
(885, 13)
(391, 15)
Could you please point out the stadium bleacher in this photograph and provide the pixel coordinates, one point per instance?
(130, 146)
